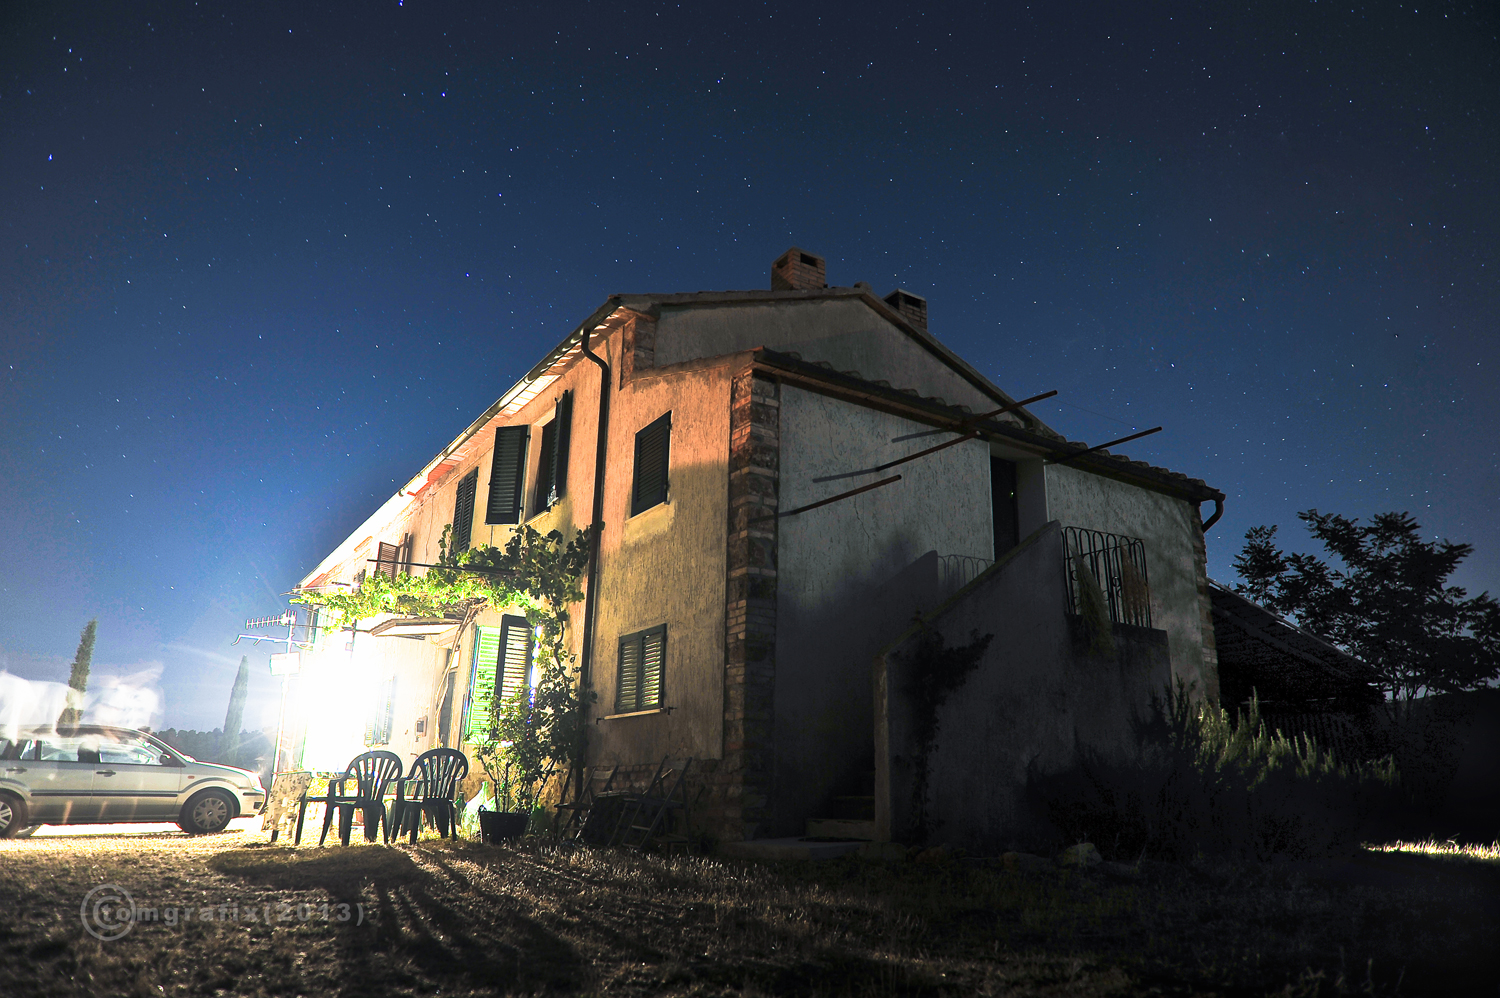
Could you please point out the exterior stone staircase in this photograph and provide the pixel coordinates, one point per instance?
(850, 816)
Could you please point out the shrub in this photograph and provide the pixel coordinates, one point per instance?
(1201, 783)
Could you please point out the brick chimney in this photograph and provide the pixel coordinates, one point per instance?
(795, 270)
(913, 308)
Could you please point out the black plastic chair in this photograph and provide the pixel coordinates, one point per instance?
(372, 774)
(434, 780)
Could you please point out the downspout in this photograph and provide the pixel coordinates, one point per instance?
(1218, 512)
(589, 602)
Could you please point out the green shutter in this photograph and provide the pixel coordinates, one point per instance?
(628, 690)
(643, 657)
(482, 682)
(653, 661)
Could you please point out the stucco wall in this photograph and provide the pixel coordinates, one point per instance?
(1036, 694)
(851, 576)
(1168, 526)
(844, 332)
(666, 565)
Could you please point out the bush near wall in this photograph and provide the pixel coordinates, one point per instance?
(1203, 783)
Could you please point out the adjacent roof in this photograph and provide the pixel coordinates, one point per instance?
(1282, 664)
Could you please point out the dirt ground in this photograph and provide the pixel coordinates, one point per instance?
(234, 915)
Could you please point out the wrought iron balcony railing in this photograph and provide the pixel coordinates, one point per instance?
(1117, 566)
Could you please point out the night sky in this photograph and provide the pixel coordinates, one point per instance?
(259, 262)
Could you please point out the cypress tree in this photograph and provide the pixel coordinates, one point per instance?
(78, 681)
(236, 716)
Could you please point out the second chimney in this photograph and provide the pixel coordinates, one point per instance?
(795, 270)
(913, 308)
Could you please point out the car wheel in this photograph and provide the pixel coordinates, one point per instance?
(12, 816)
(206, 813)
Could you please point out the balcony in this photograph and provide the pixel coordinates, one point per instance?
(1118, 566)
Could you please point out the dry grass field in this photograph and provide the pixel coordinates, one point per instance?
(459, 918)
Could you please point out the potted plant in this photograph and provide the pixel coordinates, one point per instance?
(514, 757)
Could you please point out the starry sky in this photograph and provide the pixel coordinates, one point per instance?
(259, 262)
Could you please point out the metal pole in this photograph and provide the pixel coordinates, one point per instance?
(277, 766)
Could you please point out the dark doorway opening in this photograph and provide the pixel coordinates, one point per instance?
(1003, 498)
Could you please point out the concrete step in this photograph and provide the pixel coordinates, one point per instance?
(859, 808)
(841, 828)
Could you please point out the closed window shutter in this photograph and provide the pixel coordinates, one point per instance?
(482, 683)
(387, 557)
(507, 475)
(653, 661)
(652, 454)
(563, 420)
(642, 664)
(463, 512)
(516, 646)
(628, 693)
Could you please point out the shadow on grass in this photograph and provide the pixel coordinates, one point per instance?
(418, 925)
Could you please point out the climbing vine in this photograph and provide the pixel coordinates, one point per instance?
(535, 574)
(935, 672)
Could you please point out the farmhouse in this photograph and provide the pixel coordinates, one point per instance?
(735, 615)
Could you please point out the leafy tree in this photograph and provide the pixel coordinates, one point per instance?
(1388, 604)
(78, 680)
(236, 715)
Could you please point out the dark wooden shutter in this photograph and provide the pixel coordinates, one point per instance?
(507, 475)
(652, 455)
(563, 420)
(517, 641)
(628, 691)
(653, 663)
(546, 466)
(387, 557)
(463, 512)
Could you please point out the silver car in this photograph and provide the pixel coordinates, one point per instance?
(97, 774)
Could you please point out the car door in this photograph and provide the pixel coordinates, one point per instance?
(136, 781)
(61, 777)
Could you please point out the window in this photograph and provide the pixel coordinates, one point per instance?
(652, 452)
(393, 558)
(552, 463)
(445, 709)
(382, 714)
(502, 660)
(507, 475)
(130, 751)
(643, 656)
(463, 513)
